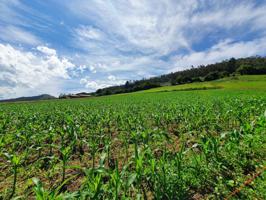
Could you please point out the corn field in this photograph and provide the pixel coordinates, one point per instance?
(170, 145)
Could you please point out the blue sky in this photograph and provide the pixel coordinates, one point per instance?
(63, 46)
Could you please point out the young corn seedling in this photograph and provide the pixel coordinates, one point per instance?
(93, 150)
(107, 142)
(43, 194)
(93, 187)
(15, 162)
(65, 153)
(115, 181)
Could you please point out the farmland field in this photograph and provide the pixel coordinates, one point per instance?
(207, 143)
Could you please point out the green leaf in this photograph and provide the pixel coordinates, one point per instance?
(131, 179)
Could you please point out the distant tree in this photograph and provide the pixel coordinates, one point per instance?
(247, 69)
(62, 96)
(186, 79)
(244, 69)
(223, 74)
(212, 76)
(231, 65)
(197, 79)
(127, 84)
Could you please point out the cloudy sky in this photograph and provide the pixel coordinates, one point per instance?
(67, 46)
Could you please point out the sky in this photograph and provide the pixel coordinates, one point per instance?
(69, 46)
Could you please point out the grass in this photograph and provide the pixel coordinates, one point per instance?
(192, 144)
(249, 82)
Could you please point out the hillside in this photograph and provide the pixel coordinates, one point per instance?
(202, 73)
(245, 82)
(33, 98)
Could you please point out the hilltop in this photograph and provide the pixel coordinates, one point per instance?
(32, 98)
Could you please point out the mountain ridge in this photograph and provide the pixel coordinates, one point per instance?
(30, 98)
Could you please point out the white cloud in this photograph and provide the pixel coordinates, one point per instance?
(160, 27)
(92, 69)
(83, 68)
(147, 25)
(7, 13)
(23, 71)
(93, 85)
(138, 33)
(111, 78)
(22, 14)
(221, 51)
(47, 51)
(88, 32)
(14, 34)
(228, 14)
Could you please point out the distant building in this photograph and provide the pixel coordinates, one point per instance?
(78, 95)
(83, 94)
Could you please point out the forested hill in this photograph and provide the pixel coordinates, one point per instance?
(231, 67)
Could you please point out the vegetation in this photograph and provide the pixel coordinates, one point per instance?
(200, 144)
(242, 66)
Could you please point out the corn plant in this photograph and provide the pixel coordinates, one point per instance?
(15, 162)
(65, 153)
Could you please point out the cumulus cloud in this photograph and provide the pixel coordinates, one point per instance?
(25, 70)
(93, 85)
